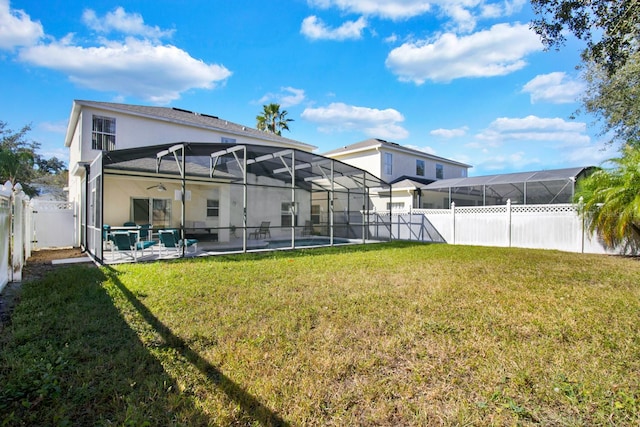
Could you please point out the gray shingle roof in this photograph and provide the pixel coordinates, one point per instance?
(187, 117)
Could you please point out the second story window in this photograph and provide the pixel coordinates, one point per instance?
(439, 171)
(103, 134)
(387, 164)
(420, 167)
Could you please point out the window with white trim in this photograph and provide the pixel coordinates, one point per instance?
(387, 164)
(213, 208)
(419, 167)
(395, 206)
(103, 133)
(439, 171)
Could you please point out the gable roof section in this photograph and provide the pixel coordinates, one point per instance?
(182, 117)
(375, 143)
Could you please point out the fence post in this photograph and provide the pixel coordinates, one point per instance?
(453, 223)
(582, 222)
(509, 221)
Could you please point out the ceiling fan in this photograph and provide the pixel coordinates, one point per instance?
(160, 187)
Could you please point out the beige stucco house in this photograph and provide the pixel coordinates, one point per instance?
(407, 170)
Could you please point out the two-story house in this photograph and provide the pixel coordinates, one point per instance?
(407, 170)
(174, 168)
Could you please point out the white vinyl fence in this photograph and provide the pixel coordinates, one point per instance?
(557, 227)
(52, 224)
(15, 244)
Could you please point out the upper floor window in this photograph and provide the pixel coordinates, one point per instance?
(103, 134)
(420, 167)
(213, 208)
(439, 171)
(387, 165)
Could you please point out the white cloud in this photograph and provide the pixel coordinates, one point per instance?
(59, 127)
(140, 68)
(315, 29)
(339, 117)
(122, 22)
(463, 13)
(391, 39)
(450, 133)
(288, 97)
(16, 28)
(390, 9)
(533, 128)
(556, 88)
(515, 161)
(494, 52)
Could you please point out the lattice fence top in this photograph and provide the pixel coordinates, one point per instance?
(564, 208)
(515, 209)
(432, 211)
(481, 210)
(54, 205)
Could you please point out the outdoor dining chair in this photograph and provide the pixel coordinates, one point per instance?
(170, 241)
(261, 232)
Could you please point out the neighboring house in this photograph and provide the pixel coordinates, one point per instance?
(408, 170)
(174, 168)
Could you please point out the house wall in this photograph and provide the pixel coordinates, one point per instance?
(137, 131)
(119, 191)
(369, 161)
(404, 164)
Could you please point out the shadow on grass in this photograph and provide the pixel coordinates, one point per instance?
(255, 409)
(70, 358)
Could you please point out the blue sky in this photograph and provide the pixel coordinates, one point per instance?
(462, 79)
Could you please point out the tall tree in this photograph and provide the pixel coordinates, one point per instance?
(614, 100)
(611, 28)
(612, 201)
(19, 162)
(17, 158)
(272, 119)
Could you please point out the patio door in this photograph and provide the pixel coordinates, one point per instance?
(151, 211)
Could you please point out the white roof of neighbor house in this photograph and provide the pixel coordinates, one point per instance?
(182, 117)
(374, 143)
(510, 178)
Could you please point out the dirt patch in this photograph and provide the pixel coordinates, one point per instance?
(37, 266)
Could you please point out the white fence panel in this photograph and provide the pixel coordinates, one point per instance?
(5, 236)
(546, 226)
(53, 224)
(558, 227)
(440, 219)
(488, 226)
(14, 239)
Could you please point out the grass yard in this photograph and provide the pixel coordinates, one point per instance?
(390, 334)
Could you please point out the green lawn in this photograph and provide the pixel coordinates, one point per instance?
(389, 334)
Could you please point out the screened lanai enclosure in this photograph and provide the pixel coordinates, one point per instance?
(225, 198)
(526, 188)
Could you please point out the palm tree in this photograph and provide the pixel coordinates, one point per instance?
(612, 201)
(272, 119)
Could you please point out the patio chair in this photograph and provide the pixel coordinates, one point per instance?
(106, 236)
(123, 245)
(145, 231)
(169, 240)
(129, 224)
(139, 243)
(262, 231)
